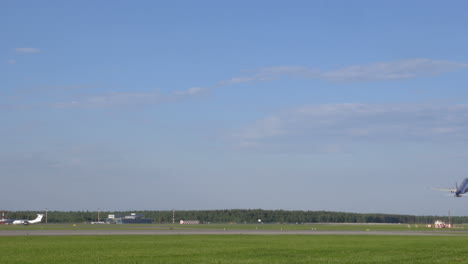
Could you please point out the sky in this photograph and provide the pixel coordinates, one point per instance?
(354, 106)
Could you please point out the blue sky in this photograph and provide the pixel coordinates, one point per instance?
(357, 106)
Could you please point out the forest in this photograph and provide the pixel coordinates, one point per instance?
(239, 216)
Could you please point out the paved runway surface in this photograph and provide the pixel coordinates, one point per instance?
(213, 232)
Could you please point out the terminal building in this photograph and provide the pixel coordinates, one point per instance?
(133, 218)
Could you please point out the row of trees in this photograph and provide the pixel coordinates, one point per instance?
(239, 216)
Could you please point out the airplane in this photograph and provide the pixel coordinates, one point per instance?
(5, 221)
(28, 222)
(458, 190)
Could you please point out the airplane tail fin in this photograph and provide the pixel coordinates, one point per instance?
(37, 220)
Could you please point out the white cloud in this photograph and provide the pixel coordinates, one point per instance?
(265, 128)
(393, 70)
(130, 99)
(236, 80)
(27, 50)
(113, 100)
(191, 91)
(330, 122)
(402, 69)
(11, 61)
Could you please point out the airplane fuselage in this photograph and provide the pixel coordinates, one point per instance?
(28, 222)
(463, 188)
(20, 222)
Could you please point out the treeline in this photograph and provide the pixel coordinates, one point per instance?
(239, 216)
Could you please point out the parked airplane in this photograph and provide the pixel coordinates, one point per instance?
(458, 190)
(28, 222)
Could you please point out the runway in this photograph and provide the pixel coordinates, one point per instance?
(101, 232)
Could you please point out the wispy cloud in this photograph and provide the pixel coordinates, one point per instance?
(402, 69)
(191, 91)
(318, 123)
(393, 70)
(121, 99)
(112, 100)
(11, 61)
(27, 50)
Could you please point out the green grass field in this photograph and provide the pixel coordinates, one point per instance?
(234, 249)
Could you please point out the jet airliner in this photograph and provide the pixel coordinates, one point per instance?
(459, 190)
(28, 222)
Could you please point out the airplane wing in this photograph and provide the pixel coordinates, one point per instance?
(452, 190)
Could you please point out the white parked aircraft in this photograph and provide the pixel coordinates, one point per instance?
(28, 222)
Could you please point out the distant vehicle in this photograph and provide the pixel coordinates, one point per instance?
(458, 190)
(28, 222)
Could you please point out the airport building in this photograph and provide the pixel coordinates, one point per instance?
(189, 222)
(133, 218)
